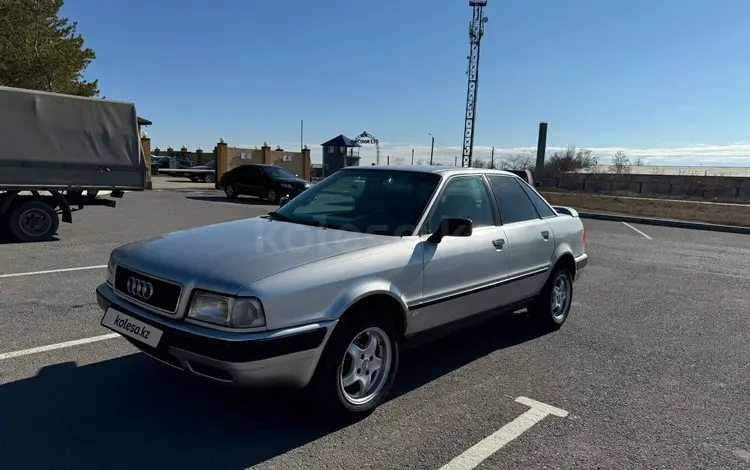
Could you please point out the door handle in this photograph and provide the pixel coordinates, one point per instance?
(545, 235)
(499, 243)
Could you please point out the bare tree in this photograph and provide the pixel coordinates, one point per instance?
(639, 162)
(518, 162)
(419, 162)
(479, 163)
(620, 163)
(570, 160)
(398, 161)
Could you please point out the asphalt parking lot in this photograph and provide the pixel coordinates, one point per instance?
(651, 370)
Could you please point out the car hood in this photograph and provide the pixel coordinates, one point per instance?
(228, 256)
(292, 181)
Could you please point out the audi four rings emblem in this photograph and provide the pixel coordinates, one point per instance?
(140, 288)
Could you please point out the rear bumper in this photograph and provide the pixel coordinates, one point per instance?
(273, 358)
(581, 263)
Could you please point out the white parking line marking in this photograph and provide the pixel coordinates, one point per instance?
(486, 447)
(52, 271)
(636, 230)
(52, 347)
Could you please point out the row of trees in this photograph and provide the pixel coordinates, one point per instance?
(569, 160)
(39, 50)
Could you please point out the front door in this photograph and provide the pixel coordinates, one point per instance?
(531, 242)
(462, 276)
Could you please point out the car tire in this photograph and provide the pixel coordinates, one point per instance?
(209, 178)
(553, 305)
(272, 196)
(329, 385)
(230, 191)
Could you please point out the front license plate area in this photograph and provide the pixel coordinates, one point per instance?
(130, 327)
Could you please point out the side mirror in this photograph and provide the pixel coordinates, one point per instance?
(451, 227)
(283, 201)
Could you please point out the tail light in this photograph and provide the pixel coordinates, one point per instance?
(584, 235)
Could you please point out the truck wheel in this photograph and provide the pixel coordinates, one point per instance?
(34, 221)
(552, 307)
(358, 366)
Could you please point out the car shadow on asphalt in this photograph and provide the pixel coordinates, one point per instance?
(131, 412)
(6, 239)
(243, 200)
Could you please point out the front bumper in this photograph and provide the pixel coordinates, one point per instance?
(581, 263)
(267, 359)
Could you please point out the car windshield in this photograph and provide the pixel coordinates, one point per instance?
(378, 202)
(279, 172)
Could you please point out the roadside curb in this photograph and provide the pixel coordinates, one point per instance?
(665, 222)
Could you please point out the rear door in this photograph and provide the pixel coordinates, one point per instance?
(249, 180)
(531, 242)
(462, 276)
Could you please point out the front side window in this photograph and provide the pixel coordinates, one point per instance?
(379, 202)
(464, 197)
(279, 172)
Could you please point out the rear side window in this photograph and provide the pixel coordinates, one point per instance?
(541, 206)
(515, 205)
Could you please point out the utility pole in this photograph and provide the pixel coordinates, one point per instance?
(388, 160)
(492, 158)
(432, 148)
(455, 161)
(476, 31)
(412, 156)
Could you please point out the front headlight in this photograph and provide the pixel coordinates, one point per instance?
(286, 185)
(307, 185)
(244, 312)
(111, 266)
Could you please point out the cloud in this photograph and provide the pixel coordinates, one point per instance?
(736, 154)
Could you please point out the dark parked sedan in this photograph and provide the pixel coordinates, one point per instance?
(268, 182)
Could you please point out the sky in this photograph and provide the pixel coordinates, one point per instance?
(665, 81)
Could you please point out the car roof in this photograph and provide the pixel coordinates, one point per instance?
(441, 170)
(260, 165)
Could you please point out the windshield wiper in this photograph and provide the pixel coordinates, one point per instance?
(281, 217)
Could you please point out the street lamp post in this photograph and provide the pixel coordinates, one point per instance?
(432, 147)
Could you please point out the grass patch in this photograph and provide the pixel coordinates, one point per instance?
(663, 209)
